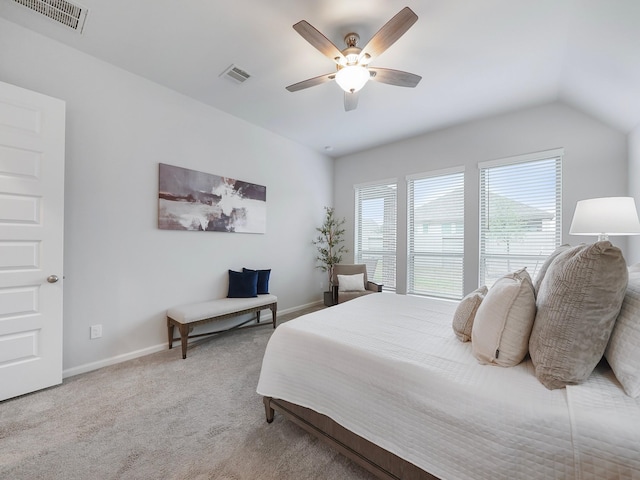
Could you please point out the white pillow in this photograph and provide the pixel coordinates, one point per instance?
(351, 283)
(623, 350)
(501, 329)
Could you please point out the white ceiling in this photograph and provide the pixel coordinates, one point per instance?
(476, 58)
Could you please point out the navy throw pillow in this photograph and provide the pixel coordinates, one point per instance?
(243, 284)
(263, 280)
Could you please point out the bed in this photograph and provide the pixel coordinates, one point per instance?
(384, 380)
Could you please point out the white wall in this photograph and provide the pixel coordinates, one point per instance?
(121, 271)
(595, 165)
(633, 255)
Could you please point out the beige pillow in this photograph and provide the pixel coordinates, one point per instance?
(578, 302)
(466, 312)
(545, 266)
(351, 283)
(623, 351)
(502, 326)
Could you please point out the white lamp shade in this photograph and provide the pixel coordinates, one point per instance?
(605, 216)
(352, 78)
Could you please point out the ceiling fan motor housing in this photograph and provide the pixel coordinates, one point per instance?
(352, 52)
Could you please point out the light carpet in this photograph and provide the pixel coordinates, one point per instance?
(162, 417)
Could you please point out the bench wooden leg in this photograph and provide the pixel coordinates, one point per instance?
(273, 308)
(184, 336)
(170, 328)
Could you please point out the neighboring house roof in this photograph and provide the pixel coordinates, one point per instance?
(370, 225)
(438, 211)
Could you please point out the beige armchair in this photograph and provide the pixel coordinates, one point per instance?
(350, 289)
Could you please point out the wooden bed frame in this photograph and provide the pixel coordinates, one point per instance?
(380, 462)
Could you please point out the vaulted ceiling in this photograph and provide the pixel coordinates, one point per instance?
(476, 58)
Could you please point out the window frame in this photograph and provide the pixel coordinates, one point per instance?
(456, 290)
(385, 272)
(555, 155)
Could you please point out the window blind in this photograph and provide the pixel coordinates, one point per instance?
(520, 214)
(375, 231)
(436, 234)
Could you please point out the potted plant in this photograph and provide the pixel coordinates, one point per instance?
(328, 243)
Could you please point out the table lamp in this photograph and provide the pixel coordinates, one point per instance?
(605, 216)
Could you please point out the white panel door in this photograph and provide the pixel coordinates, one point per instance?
(31, 240)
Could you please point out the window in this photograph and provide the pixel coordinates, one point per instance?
(436, 234)
(520, 213)
(375, 242)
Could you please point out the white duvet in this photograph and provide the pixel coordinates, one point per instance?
(389, 368)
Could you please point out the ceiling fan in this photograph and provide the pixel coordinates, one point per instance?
(352, 63)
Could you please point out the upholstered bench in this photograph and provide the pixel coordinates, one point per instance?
(185, 317)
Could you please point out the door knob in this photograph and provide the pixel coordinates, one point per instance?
(52, 278)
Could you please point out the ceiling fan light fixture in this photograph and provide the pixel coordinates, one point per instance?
(352, 63)
(352, 78)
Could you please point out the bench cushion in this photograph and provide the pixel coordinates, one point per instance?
(221, 306)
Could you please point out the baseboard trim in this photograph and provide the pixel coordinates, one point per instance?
(300, 307)
(107, 362)
(88, 367)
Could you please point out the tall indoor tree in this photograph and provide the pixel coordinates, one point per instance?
(329, 243)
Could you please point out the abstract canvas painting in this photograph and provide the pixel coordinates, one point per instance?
(192, 200)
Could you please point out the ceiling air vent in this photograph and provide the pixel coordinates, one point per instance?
(236, 74)
(67, 13)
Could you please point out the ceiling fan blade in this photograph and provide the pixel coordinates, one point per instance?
(394, 77)
(311, 82)
(318, 40)
(389, 33)
(350, 101)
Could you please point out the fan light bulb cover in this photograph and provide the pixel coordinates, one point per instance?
(352, 78)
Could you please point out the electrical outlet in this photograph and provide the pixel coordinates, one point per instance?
(96, 331)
